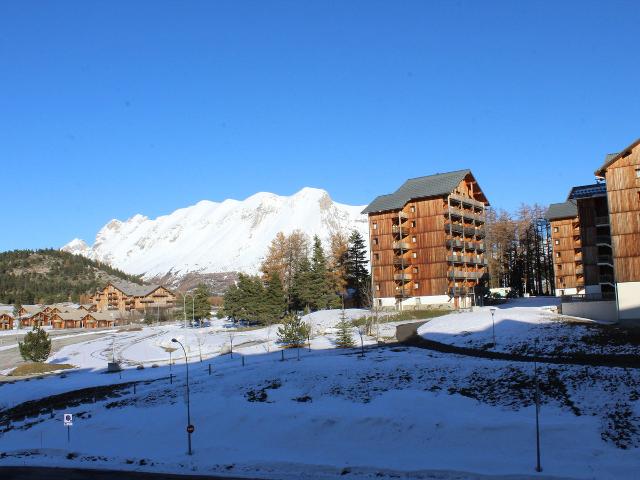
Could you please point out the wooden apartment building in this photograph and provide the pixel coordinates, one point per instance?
(595, 236)
(622, 174)
(129, 297)
(568, 268)
(427, 242)
(6, 321)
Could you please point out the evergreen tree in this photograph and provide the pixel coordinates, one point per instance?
(319, 279)
(293, 331)
(231, 303)
(344, 338)
(251, 299)
(356, 267)
(36, 346)
(302, 295)
(202, 306)
(275, 301)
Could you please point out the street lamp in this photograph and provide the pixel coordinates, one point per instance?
(493, 324)
(184, 306)
(190, 427)
(537, 397)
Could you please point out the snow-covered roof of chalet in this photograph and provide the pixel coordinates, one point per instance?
(135, 290)
(558, 211)
(421, 187)
(588, 191)
(33, 308)
(72, 314)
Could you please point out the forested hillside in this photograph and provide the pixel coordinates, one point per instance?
(48, 276)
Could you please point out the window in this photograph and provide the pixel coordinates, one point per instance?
(416, 285)
(415, 269)
(412, 209)
(375, 225)
(375, 240)
(413, 223)
(377, 287)
(638, 172)
(556, 229)
(557, 242)
(414, 239)
(376, 256)
(557, 254)
(414, 255)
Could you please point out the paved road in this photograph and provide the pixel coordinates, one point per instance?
(11, 357)
(407, 335)
(35, 473)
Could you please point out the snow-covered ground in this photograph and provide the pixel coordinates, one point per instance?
(520, 323)
(398, 412)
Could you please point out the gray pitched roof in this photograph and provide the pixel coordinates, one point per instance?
(613, 157)
(134, 290)
(558, 211)
(420, 187)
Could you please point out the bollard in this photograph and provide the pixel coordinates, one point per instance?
(134, 388)
(282, 355)
(171, 378)
(243, 360)
(209, 369)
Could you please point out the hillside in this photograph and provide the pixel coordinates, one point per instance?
(48, 276)
(216, 237)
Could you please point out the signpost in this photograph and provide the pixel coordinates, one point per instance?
(68, 422)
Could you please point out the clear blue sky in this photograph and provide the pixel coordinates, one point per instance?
(108, 109)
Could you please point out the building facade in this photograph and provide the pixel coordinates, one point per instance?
(427, 242)
(130, 297)
(622, 174)
(568, 268)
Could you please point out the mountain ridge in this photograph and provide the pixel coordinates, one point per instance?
(215, 237)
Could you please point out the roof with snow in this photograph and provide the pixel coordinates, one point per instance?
(558, 211)
(429, 186)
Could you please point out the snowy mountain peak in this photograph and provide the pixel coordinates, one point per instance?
(211, 237)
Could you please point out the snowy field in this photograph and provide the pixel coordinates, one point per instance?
(519, 323)
(398, 412)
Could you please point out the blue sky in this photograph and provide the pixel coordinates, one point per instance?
(108, 109)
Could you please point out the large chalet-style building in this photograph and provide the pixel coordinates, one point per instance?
(622, 174)
(130, 297)
(567, 248)
(427, 242)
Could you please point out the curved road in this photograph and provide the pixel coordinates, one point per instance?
(407, 334)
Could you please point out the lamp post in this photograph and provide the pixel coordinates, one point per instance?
(189, 426)
(537, 398)
(184, 306)
(493, 325)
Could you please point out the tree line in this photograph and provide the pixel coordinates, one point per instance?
(298, 275)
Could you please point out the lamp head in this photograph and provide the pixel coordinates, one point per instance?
(493, 310)
(174, 340)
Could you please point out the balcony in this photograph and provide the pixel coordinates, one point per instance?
(461, 274)
(466, 214)
(402, 277)
(579, 270)
(453, 243)
(401, 246)
(457, 291)
(457, 259)
(605, 260)
(602, 221)
(401, 262)
(603, 240)
(397, 229)
(466, 201)
(403, 292)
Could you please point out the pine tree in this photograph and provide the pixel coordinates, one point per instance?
(320, 280)
(36, 345)
(201, 307)
(293, 331)
(356, 267)
(344, 338)
(302, 295)
(275, 301)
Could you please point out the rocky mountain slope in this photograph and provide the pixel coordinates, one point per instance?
(212, 238)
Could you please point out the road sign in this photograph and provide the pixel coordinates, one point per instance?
(68, 420)
(190, 428)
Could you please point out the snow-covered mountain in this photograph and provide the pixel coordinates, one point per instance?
(212, 237)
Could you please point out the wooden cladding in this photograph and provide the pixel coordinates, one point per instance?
(623, 195)
(566, 252)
